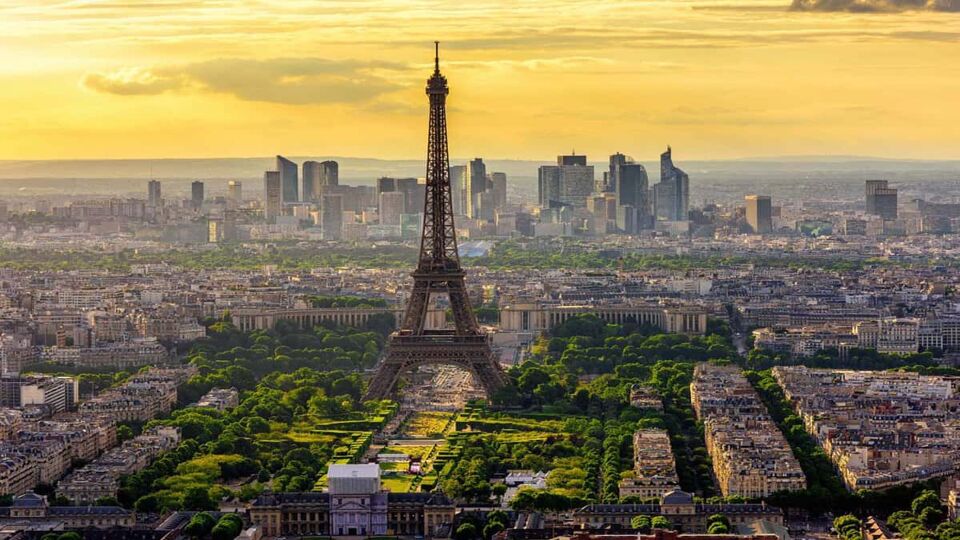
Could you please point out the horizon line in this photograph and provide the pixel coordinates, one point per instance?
(783, 157)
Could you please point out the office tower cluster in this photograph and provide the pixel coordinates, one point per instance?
(400, 207)
(318, 175)
(623, 202)
(287, 201)
(477, 194)
(391, 209)
(566, 184)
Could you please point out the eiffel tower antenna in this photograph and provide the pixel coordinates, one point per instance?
(438, 272)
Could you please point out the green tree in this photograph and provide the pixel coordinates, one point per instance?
(926, 499)
(124, 433)
(198, 498)
(227, 528)
(492, 528)
(641, 522)
(200, 525)
(147, 504)
(660, 522)
(466, 531)
(848, 527)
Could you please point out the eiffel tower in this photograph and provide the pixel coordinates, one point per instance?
(438, 272)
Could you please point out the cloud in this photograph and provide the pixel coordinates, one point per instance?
(131, 82)
(296, 81)
(869, 6)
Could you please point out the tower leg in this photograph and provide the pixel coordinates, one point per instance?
(384, 379)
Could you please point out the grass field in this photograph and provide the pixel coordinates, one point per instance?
(397, 483)
(427, 424)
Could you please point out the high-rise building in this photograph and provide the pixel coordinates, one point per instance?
(272, 195)
(414, 192)
(548, 186)
(288, 179)
(329, 173)
(196, 195)
(568, 183)
(331, 216)
(153, 193)
(235, 191)
(672, 194)
(616, 161)
(759, 213)
(458, 179)
(881, 199)
(630, 185)
(498, 181)
(316, 176)
(476, 183)
(311, 181)
(392, 205)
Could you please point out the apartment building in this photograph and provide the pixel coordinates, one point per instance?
(751, 458)
(654, 470)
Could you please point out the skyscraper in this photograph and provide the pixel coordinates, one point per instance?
(759, 213)
(568, 183)
(311, 181)
(331, 217)
(153, 193)
(329, 173)
(196, 195)
(629, 182)
(235, 191)
(616, 161)
(272, 195)
(672, 194)
(498, 181)
(881, 199)
(476, 183)
(458, 179)
(316, 176)
(288, 179)
(392, 207)
(414, 192)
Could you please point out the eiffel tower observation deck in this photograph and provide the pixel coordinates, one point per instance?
(438, 272)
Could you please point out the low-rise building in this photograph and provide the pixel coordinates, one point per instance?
(654, 470)
(679, 507)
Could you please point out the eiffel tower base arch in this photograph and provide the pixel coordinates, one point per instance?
(471, 353)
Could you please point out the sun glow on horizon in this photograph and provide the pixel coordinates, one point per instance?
(232, 78)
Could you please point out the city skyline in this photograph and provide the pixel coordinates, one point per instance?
(720, 79)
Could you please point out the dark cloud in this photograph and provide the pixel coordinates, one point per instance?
(296, 81)
(869, 6)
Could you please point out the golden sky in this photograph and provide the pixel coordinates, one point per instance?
(529, 79)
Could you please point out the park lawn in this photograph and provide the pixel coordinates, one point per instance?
(397, 483)
(523, 436)
(402, 466)
(427, 424)
(415, 452)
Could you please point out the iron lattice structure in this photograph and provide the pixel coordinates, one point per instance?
(438, 272)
